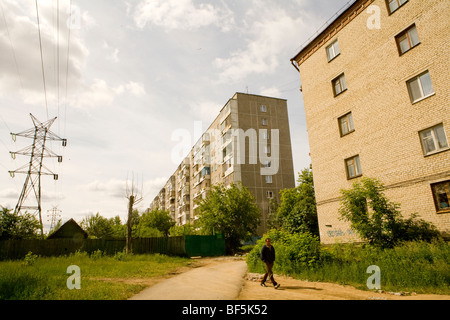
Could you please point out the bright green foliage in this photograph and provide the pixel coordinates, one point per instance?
(294, 252)
(155, 219)
(378, 220)
(297, 212)
(18, 226)
(232, 211)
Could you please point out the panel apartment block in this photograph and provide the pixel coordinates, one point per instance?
(249, 141)
(375, 84)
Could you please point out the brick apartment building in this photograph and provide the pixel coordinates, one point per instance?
(249, 141)
(376, 91)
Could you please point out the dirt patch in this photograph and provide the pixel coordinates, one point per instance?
(293, 289)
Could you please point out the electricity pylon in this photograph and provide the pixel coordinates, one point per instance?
(54, 217)
(35, 168)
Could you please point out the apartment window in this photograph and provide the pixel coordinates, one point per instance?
(267, 164)
(346, 124)
(269, 194)
(407, 40)
(266, 149)
(333, 50)
(353, 166)
(263, 108)
(395, 4)
(268, 179)
(420, 87)
(265, 135)
(339, 85)
(441, 195)
(264, 122)
(433, 140)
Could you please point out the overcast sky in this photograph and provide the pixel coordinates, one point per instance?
(139, 72)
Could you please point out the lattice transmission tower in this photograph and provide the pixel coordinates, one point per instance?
(35, 168)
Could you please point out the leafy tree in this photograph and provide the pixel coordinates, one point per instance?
(379, 220)
(98, 227)
(187, 229)
(18, 226)
(230, 210)
(157, 220)
(297, 211)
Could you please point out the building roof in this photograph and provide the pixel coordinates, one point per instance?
(69, 230)
(330, 28)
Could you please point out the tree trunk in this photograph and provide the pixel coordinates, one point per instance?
(129, 229)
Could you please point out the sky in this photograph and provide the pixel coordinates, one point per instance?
(124, 78)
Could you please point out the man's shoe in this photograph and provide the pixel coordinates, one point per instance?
(263, 284)
(277, 286)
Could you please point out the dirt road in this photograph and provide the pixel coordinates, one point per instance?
(226, 278)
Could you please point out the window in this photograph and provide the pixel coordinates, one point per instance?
(333, 50)
(267, 164)
(407, 40)
(264, 122)
(269, 194)
(266, 149)
(339, 85)
(420, 87)
(441, 195)
(263, 108)
(353, 167)
(265, 135)
(433, 140)
(395, 4)
(268, 179)
(346, 124)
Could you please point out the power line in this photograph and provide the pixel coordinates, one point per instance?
(42, 57)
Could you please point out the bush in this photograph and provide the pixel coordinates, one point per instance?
(378, 220)
(293, 252)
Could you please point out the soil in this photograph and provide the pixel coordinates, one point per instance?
(290, 288)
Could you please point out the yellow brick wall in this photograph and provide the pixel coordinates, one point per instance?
(386, 122)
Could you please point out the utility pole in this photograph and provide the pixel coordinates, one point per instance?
(35, 168)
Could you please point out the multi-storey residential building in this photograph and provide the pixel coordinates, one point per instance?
(376, 92)
(249, 141)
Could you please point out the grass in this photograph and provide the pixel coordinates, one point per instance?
(36, 278)
(419, 267)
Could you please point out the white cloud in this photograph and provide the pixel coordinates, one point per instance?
(182, 14)
(100, 93)
(272, 32)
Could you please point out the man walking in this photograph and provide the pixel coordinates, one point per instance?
(268, 257)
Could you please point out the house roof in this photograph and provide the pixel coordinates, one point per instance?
(69, 230)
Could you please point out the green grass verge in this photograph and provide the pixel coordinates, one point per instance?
(46, 278)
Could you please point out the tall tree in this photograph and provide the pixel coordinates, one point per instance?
(98, 227)
(230, 210)
(297, 211)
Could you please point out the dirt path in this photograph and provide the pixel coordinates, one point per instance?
(292, 289)
(226, 278)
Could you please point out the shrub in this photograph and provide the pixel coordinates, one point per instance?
(294, 252)
(379, 220)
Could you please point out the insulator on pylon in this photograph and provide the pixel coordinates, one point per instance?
(12, 174)
(55, 177)
(60, 159)
(64, 142)
(13, 155)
